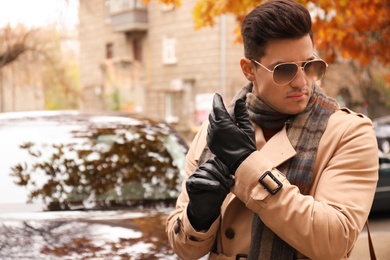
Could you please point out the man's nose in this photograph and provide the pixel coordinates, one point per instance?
(300, 79)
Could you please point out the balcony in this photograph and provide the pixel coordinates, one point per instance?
(128, 15)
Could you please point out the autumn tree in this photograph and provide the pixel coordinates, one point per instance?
(13, 44)
(350, 29)
(34, 57)
(60, 75)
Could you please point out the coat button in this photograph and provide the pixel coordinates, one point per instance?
(229, 233)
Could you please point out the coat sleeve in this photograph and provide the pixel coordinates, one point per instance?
(186, 242)
(325, 224)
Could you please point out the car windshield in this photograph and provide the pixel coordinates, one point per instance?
(70, 161)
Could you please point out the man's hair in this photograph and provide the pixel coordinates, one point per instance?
(274, 20)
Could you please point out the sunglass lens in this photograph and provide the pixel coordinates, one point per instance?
(284, 73)
(315, 69)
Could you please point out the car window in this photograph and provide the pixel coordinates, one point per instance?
(90, 162)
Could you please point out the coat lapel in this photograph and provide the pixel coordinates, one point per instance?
(278, 149)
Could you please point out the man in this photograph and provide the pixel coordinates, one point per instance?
(286, 173)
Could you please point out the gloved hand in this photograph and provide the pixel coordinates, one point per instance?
(207, 188)
(232, 142)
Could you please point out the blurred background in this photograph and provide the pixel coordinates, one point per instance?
(167, 58)
(162, 59)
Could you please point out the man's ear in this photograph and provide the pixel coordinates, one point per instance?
(248, 68)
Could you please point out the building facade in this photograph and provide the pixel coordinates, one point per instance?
(150, 59)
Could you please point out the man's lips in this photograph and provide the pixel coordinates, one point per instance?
(297, 95)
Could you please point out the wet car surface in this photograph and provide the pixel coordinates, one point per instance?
(119, 234)
(98, 186)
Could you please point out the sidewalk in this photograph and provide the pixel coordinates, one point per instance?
(381, 242)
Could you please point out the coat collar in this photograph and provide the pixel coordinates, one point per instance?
(278, 149)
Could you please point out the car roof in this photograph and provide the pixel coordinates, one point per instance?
(73, 114)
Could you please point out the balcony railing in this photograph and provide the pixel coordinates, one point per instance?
(128, 15)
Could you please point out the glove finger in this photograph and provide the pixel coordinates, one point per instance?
(242, 117)
(219, 111)
(220, 172)
(219, 119)
(212, 116)
(210, 134)
(198, 185)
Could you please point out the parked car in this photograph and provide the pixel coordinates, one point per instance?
(98, 186)
(382, 195)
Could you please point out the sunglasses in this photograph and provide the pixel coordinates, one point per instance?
(286, 72)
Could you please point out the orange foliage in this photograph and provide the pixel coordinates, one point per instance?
(359, 30)
(351, 29)
(167, 2)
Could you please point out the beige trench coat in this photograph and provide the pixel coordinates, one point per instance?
(324, 225)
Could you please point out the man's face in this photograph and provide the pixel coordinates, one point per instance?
(290, 98)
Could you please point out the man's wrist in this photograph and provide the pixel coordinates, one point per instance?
(241, 160)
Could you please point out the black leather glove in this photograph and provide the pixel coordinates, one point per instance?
(207, 188)
(232, 142)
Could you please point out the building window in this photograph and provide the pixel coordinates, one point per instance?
(172, 106)
(137, 49)
(169, 50)
(109, 50)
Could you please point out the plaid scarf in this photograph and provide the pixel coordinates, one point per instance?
(304, 132)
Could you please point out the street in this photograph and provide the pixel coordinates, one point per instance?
(379, 225)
